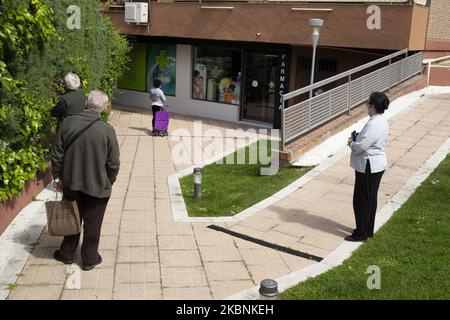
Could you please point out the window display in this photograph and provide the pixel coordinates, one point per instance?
(217, 75)
(162, 66)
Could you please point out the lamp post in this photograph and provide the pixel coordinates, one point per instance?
(316, 25)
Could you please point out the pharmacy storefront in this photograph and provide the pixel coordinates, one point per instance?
(232, 82)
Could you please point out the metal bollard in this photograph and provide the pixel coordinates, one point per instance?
(268, 290)
(197, 183)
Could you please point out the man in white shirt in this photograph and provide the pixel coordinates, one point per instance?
(369, 161)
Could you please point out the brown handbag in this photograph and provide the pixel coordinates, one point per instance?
(63, 218)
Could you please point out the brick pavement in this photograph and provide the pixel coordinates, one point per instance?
(148, 256)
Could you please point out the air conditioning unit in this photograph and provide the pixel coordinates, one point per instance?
(136, 12)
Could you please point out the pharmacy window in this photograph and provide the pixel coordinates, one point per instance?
(216, 75)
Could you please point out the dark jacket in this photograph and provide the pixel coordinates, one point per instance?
(92, 162)
(71, 102)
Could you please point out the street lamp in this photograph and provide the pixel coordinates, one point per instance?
(197, 183)
(316, 25)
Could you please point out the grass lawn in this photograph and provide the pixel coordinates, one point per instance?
(230, 188)
(445, 63)
(412, 250)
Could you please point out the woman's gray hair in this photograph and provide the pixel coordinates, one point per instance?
(72, 81)
(97, 101)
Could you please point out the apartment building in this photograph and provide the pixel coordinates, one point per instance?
(232, 60)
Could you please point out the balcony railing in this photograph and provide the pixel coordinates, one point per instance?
(307, 115)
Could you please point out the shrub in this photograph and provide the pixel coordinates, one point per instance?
(36, 50)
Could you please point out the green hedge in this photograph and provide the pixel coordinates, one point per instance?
(36, 50)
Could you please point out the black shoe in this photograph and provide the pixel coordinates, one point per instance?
(87, 267)
(353, 238)
(57, 256)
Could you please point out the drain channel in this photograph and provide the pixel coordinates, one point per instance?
(267, 244)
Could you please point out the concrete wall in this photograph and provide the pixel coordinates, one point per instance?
(182, 103)
(419, 24)
(346, 60)
(345, 25)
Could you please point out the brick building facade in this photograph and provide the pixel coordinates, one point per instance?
(438, 34)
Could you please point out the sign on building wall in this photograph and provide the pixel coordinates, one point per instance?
(282, 87)
(282, 82)
(162, 66)
(135, 77)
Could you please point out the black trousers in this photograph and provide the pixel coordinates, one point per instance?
(92, 211)
(365, 201)
(155, 109)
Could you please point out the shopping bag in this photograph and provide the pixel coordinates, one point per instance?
(162, 120)
(63, 218)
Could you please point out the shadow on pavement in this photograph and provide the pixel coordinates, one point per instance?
(312, 221)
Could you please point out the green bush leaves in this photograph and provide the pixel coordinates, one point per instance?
(36, 50)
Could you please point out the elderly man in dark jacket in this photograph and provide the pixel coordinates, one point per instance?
(85, 164)
(72, 101)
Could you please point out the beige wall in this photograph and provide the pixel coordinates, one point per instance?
(419, 27)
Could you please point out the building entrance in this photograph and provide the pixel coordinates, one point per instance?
(260, 86)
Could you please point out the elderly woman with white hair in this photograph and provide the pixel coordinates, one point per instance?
(72, 101)
(85, 164)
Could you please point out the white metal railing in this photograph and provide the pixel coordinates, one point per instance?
(311, 113)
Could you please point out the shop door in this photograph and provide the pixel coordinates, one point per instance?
(259, 96)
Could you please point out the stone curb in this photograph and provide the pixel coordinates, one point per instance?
(179, 211)
(15, 242)
(29, 223)
(345, 250)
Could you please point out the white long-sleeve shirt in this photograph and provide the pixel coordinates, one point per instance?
(370, 144)
(157, 96)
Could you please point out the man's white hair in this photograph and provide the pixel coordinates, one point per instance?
(97, 101)
(72, 81)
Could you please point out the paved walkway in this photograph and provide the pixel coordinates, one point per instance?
(148, 256)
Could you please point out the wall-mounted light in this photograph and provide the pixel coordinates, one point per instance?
(223, 8)
(312, 9)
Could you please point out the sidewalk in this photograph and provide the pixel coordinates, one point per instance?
(148, 256)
